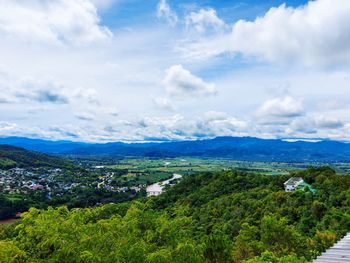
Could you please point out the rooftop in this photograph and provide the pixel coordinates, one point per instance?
(294, 180)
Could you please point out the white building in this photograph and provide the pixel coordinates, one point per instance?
(293, 183)
(154, 190)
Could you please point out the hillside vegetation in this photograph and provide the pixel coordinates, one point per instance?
(210, 217)
(11, 156)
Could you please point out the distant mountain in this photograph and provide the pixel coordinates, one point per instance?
(238, 148)
(11, 156)
(45, 146)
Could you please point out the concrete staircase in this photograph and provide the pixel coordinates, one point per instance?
(339, 253)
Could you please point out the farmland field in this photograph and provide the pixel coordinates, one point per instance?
(153, 170)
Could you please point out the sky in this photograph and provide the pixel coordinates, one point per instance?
(160, 70)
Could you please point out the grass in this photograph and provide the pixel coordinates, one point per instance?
(147, 171)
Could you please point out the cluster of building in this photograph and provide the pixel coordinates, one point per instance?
(297, 183)
(55, 182)
(106, 180)
(21, 181)
(24, 181)
(124, 189)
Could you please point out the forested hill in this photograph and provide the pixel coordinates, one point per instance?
(11, 156)
(210, 217)
(238, 148)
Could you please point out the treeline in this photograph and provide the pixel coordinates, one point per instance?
(211, 217)
(80, 197)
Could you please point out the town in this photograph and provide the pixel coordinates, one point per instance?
(57, 182)
(83, 186)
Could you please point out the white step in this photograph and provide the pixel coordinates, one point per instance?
(339, 253)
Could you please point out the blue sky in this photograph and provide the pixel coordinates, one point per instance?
(116, 70)
(142, 13)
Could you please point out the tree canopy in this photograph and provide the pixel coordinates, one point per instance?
(210, 217)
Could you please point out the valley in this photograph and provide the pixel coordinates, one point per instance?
(174, 209)
(223, 216)
(39, 180)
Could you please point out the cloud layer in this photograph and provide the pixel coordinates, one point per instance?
(204, 20)
(58, 21)
(181, 82)
(280, 110)
(164, 12)
(107, 70)
(314, 35)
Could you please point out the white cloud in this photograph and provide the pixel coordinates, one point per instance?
(178, 127)
(161, 121)
(7, 127)
(13, 129)
(69, 132)
(280, 110)
(181, 82)
(84, 116)
(165, 12)
(204, 20)
(312, 34)
(163, 103)
(54, 21)
(214, 123)
(31, 90)
(35, 91)
(335, 104)
(112, 111)
(89, 95)
(315, 34)
(214, 116)
(328, 122)
(41, 92)
(282, 107)
(69, 79)
(4, 98)
(317, 126)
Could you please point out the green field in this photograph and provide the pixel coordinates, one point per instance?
(145, 170)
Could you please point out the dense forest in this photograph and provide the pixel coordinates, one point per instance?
(82, 197)
(11, 156)
(210, 217)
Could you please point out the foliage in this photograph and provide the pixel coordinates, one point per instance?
(11, 156)
(6, 163)
(218, 217)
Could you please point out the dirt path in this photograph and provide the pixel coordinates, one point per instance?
(8, 221)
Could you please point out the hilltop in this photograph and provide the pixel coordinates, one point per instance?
(11, 156)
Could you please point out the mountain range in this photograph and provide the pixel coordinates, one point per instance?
(238, 148)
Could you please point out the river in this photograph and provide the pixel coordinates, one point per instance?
(157, 188)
